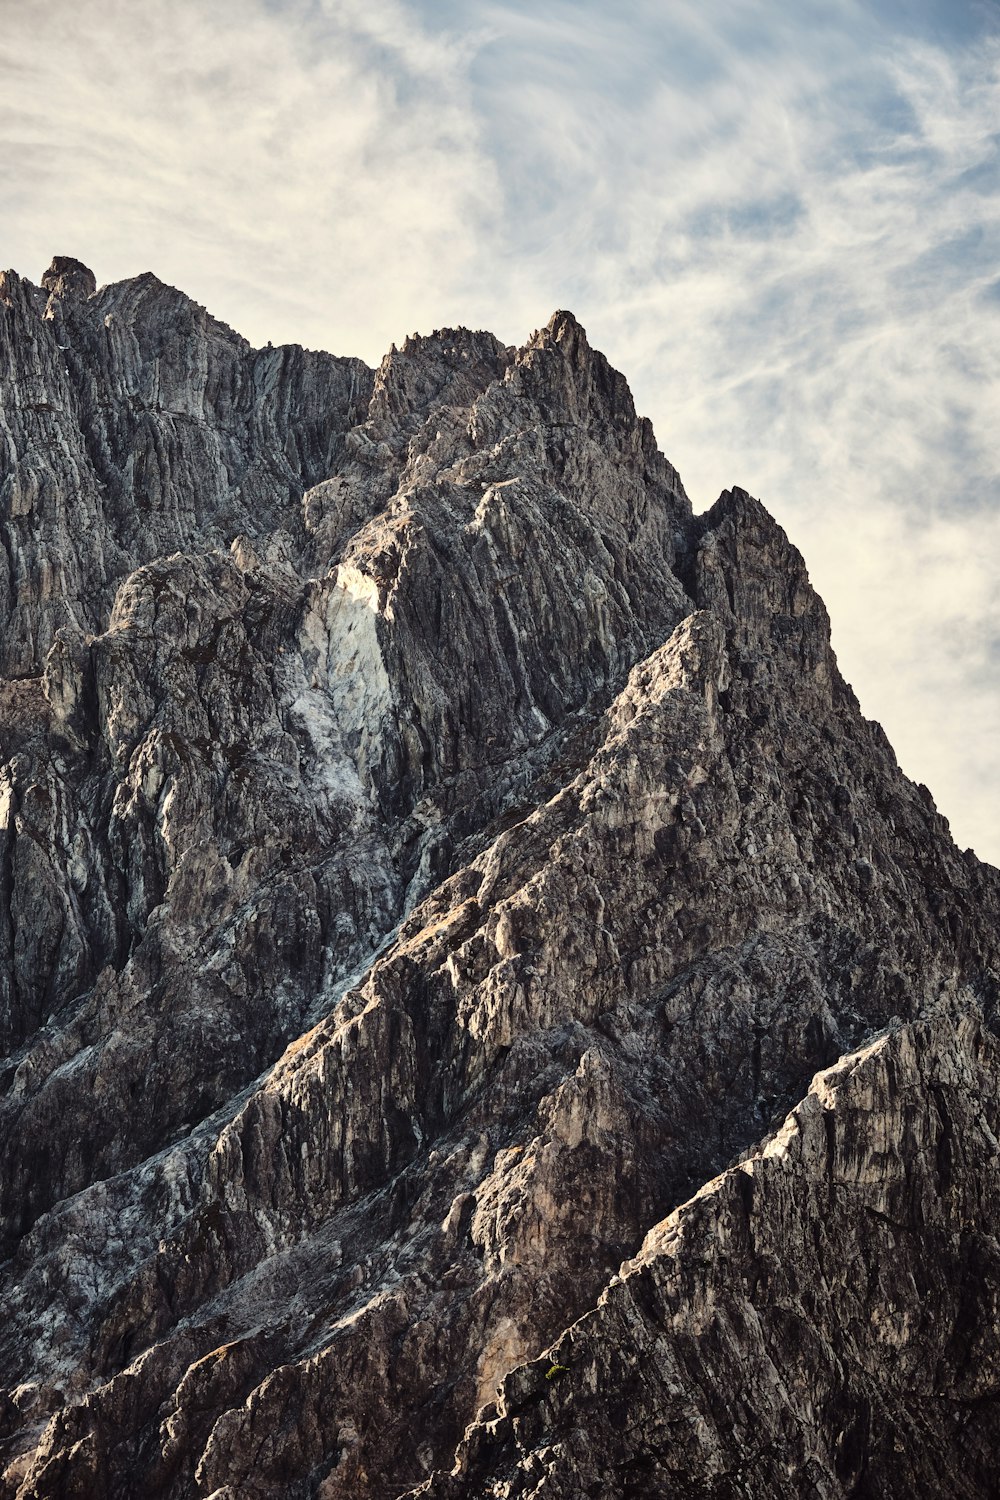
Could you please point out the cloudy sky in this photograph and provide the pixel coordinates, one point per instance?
(779, 217)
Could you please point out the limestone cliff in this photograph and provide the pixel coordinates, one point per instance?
(429, 853)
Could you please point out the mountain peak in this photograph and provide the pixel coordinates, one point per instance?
(565, 325)
(449, 898)
(69, 277)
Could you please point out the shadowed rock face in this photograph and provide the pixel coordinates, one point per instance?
(428, 854)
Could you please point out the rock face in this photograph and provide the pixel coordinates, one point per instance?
(428, 854)
(818, 1320)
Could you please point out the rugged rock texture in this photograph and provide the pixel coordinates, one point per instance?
(819, 1320)
(428, 853)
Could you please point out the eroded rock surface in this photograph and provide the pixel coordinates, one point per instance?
(428, 853)
(819, 1320)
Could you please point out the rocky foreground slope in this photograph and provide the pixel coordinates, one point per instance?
(430, 854)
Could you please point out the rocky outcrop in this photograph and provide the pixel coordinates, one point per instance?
(428, 853)
(816, 1321)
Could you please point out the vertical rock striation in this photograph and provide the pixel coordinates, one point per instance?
(428, 853)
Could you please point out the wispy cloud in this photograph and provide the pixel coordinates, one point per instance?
(311, 171)
(780, 220)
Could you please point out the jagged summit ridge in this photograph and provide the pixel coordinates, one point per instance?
(429, 854)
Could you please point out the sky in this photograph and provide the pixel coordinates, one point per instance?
(779, 218)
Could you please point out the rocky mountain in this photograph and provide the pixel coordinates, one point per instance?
(483, 1013)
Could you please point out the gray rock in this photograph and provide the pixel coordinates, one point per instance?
(816, 1321)
(429, 853)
